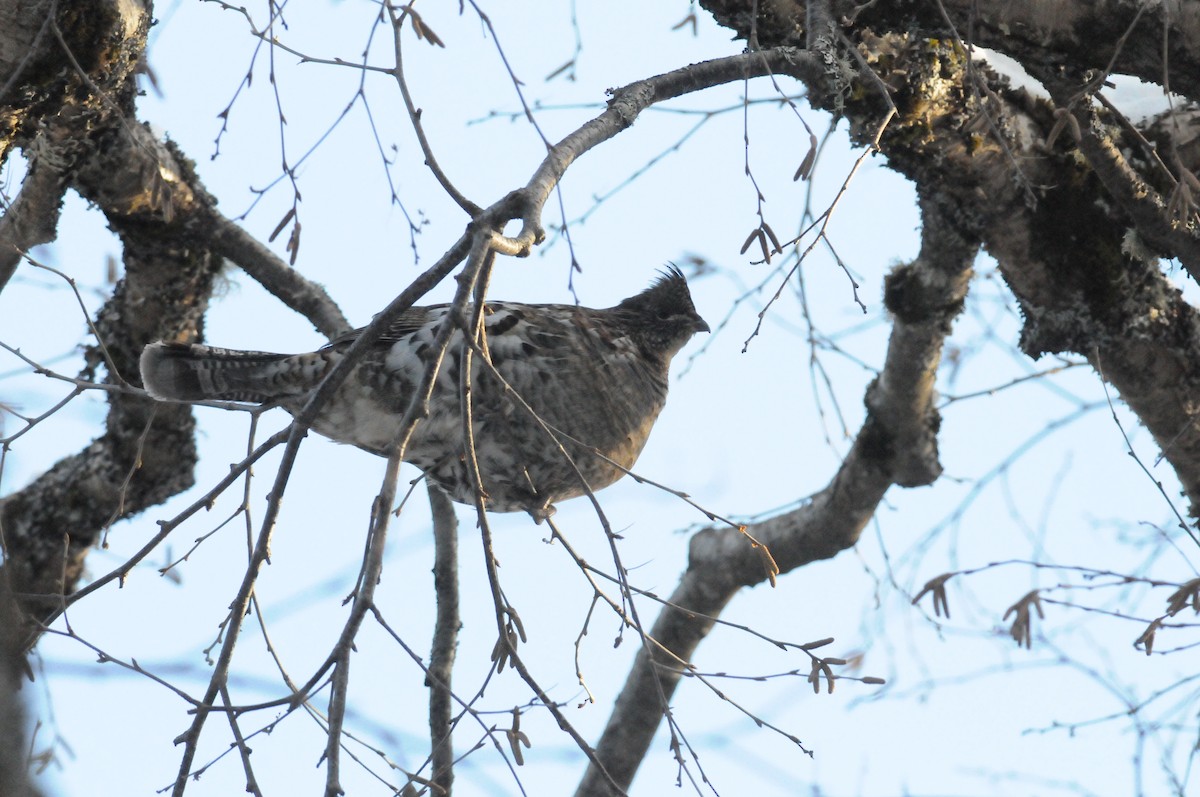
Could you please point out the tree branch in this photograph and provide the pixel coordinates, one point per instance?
(157, 206)
(1084, 35)
(15, 768)
(439, 677)
(147, 451)
(1062, 254)
(1145, 206)
(720, 562)
(32, 218)
(626, 105)
(281, 280)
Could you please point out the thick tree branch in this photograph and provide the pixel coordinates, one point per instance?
(146, 453)
(104, 48)
(15, 774)
(1033, 32)
(896, 445)
(1149, 210)
(32, 218)
(1063, 253)
(155, 203)
(140, 175)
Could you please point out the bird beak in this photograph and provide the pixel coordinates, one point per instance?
(700, 325)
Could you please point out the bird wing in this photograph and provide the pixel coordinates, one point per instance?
(402, 327)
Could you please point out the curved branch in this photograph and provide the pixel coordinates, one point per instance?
(147, 451)
(155, 203)
(155, 183)
(626, 105)
(1061, 252)
(720, 562)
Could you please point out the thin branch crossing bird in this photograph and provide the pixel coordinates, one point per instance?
(596, 378)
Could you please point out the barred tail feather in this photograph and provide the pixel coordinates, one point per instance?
(191, 372)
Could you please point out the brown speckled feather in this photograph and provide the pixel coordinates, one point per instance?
(598, 378)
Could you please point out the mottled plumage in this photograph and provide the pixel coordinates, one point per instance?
(598, 376)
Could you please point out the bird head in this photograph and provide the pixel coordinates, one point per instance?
(662, 318)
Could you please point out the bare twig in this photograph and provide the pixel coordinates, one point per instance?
(414, 116)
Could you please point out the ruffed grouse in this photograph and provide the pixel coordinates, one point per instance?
(598, 378)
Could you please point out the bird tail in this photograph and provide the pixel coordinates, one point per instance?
(191, 372)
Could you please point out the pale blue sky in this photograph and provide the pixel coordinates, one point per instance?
(742, 434)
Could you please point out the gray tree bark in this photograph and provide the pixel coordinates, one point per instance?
(989, 172)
